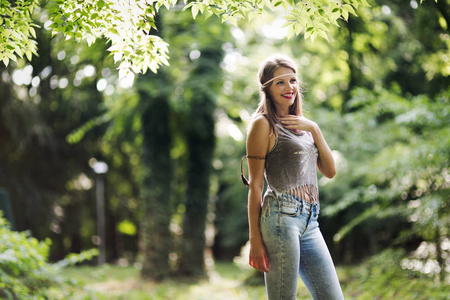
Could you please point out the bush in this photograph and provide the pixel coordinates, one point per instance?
(382, 277)
(25, 272)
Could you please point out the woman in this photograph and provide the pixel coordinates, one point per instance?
(285, 147)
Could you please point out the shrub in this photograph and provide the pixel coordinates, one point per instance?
(383, 277)
(25, 272)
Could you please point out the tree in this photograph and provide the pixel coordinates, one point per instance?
(57, 113)
(38, 166)
(126, 25)
(200, 136)
(157, 241)
(157, 178)
(191, 120)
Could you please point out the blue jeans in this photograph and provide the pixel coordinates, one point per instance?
(295, 246)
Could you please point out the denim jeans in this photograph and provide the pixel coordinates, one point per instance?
(295, 246)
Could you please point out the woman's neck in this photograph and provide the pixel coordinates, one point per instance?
(282, 112)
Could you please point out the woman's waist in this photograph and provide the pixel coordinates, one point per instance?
(287, 202)
(306, 192)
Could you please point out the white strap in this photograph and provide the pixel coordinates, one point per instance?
(289, 74)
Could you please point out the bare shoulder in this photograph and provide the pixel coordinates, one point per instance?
(258, 136)
(260, 125)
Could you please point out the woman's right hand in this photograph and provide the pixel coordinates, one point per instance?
(258, 257)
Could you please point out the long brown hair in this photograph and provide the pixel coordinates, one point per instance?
(266, 106)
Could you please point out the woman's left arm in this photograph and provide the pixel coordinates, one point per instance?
(325, 162)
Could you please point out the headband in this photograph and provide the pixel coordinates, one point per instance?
(268, 81)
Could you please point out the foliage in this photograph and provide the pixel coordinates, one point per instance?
(394, 154)
(47, 175)
(310, 18)
(378, 89)
(17, 33)
(39, 107)
(24, 270)
(382, 277)
(402, 171)
(127, 25)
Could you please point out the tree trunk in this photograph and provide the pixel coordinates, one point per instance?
(156, 185)
(201, 141)
(200, 148)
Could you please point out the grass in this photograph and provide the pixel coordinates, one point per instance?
(226, 283)
(116, 282)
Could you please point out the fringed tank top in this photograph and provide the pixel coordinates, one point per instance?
(290, 168)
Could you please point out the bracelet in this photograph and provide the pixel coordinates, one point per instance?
(256, 157)
(245, 180)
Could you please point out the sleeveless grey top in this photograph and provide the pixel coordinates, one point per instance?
(290, 167)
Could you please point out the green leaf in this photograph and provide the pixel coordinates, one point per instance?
(290, 31)
(28, 55)
(350, 9)
(6, 61)
(225, 17)
(194, 11)
(55, 32)
(19, 51)
(323, 34)
(233, 21)
(208, 14)
(32, 32)
(345, 14)
(113, 30)
(17, 35)
(298, 28)
(11, 56)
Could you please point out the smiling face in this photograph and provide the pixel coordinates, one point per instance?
(283, 89)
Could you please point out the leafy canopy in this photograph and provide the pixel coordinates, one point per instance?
(127, 25)
(17, 32)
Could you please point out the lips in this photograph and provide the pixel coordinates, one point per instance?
(288, 95)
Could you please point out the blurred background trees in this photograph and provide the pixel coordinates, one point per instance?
(173, 140)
